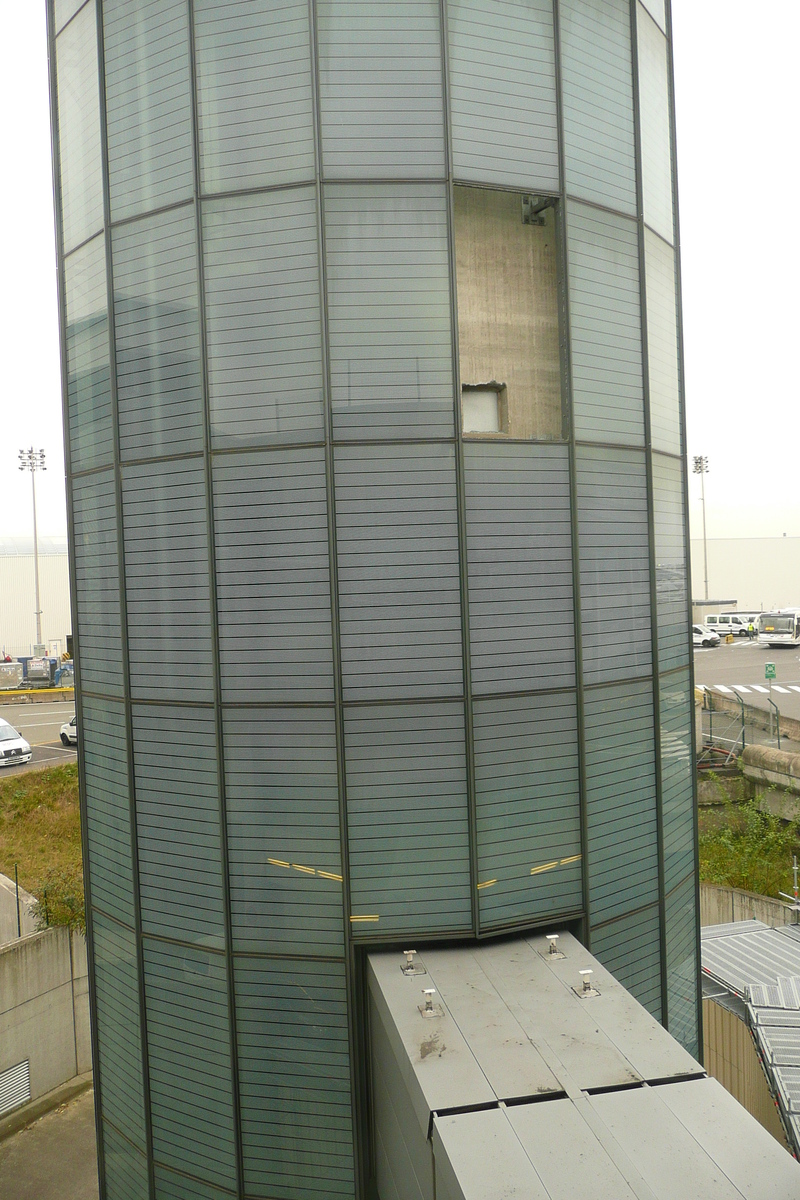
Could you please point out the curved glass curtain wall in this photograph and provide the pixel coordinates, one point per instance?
(347, 674)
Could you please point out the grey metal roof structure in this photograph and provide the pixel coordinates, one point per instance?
(519, 1083)
(761, 966)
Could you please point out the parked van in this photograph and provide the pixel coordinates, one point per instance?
(725, 623)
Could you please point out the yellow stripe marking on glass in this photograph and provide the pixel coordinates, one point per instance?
(573, 858)
(308, 870)
(330, 875)
(487, 883)
(277, 862)
(366, 917)
(545, 867)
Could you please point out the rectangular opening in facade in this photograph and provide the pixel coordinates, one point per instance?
(507, 290)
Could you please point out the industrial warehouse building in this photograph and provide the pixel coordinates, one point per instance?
(378, 519)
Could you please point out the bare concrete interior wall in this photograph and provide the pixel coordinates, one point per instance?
(507, 288)
(730, 1056)
(44, 1008)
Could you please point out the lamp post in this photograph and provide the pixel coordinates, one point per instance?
(33, 461)
(700, 467)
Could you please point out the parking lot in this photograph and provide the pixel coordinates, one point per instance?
(740, 666)
(40, 723)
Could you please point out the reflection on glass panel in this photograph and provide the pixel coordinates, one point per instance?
(676, 777)
(630, 949)
(284, 841)
(381, 88)
(598, 102)
(148, 104)
(107, 802)
(507, 315)
(662, 344)
(606, 325)
(263, 318)
(119, 1065)
(528, 807)
(657, 10)
(389, 310)
(189, 1043)
(159, 383)
(294, 1058)
(95, 520)
(503, 92)
(64, 9)
(124, 1168)
(254, 93)
(670, 551)
(654, 111)
(79, 129)
(614, 564)
(88, 370)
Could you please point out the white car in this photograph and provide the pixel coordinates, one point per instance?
(703, 636)
(13, 747)
(69, 732)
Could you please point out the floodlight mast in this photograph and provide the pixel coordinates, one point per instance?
(33, 461)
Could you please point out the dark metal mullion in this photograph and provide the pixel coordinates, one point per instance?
(461, 498)
(562, 232)
(651, 534)
(687, 543)
(123, 606)
(73, 586)
(356, 1023)
(214, 617)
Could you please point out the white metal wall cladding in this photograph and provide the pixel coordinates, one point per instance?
(357, 696)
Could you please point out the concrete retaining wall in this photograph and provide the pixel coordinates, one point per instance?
(8, 911)
(44, 1008)
(774, 776)
(719, 905)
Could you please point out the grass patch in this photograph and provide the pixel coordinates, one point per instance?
(40, 831)
(743, 847)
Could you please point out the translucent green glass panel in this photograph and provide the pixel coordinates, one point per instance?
(96, 565)
(677, 780)
(119, 1065)
(657, 10)
(614, 564)
(407, 819)
(188, 1037)
(159, 381)
(273, 579)
(503, 92)
(284, 840)
(662, 344)
(88, 372)
(166, 570)
(399, 602)
(263, 318)
(654, 114)
(124, 1168)
(681, 946)
(389, 310)
(107, 801)
(148, 104)
(519, 548)
(171, 1186)
(64, 10)
(606, 326)
(597, 84)
(629, 949)
(670, 552)
(620, 799)
(294, 1073)
(526, 779)
(178, 823)
(254, 93)
(381, 97)
(79, 129)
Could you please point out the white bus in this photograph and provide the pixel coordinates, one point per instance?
(780, 628)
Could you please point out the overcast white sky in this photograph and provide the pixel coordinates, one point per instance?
(737, 104)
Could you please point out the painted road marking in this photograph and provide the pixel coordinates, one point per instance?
(739, 687)
(758, 688)
(794, 687)
(721, 688)
(776, 687)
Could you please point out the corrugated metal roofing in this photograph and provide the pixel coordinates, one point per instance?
(740, 959)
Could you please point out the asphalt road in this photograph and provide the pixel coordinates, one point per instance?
(741, 666)
(40, 724)
(53, 1159)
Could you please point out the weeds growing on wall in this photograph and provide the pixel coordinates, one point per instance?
(40, 832)
(743, 847)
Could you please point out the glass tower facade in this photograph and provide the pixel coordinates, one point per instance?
(377, 492)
